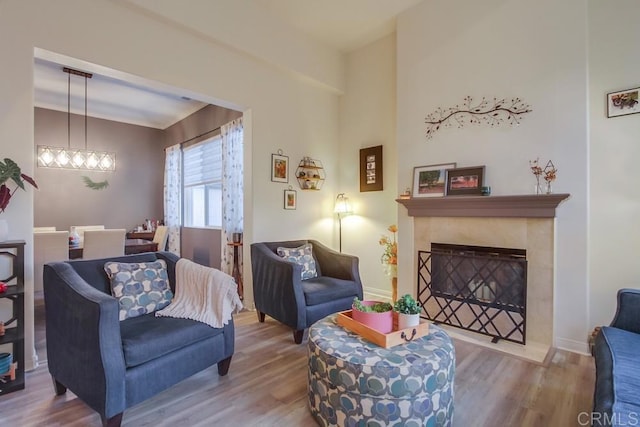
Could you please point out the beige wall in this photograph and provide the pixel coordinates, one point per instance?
(135, 187)
(368, 118)
(614, 205)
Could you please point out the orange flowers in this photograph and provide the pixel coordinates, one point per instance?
(390, 254)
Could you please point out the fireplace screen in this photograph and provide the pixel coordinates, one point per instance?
(475, 288)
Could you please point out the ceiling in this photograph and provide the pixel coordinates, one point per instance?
(345, 25)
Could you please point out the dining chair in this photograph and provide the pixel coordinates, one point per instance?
(80, 229)
(103, 243)
(161, 236)
(43, 229)
(48, 246)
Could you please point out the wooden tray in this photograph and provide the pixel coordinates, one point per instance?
(345, 319)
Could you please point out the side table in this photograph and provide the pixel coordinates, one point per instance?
(236, 273)
(355, 382)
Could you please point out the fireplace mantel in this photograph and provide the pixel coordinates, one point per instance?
(519, 206)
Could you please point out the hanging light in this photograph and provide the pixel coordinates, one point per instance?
(75, 158)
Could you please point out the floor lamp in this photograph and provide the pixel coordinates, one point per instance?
(342, 208)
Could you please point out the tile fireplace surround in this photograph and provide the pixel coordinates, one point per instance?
(522, 222)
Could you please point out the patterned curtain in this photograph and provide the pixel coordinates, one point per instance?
(173, 196)
(232, 190)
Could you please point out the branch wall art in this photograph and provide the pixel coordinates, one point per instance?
(490, 112)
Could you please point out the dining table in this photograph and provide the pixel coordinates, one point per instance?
(131, 246)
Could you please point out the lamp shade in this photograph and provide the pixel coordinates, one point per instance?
(342, 205)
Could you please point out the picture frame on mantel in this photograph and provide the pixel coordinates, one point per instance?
(623, 102)
(465, 181)
(371, 169)
(431, 180)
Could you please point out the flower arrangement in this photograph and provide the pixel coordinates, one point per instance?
(389, 257)
(550, 172)
(390, 254)
(10, 170)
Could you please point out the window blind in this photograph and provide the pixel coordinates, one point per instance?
(203, 162)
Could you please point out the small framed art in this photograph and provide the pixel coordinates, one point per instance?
(371, 169)
(290, 199)
(430, 181)
(279, 167)
(623, 102)
(465, 181)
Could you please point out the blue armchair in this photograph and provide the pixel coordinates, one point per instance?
(110, 364)
(280, 292)
(616, 399)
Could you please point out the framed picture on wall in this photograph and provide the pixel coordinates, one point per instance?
(279, 167)
(430, 181)
(623, 102)
(290, 199)
(465, 181)
(371, 169)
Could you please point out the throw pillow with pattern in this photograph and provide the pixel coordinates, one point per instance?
(140, 287)
(303, 256)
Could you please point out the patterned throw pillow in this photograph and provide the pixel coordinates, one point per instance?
(303, 256)
(140, 287)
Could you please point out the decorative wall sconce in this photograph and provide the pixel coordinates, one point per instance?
(75, 158)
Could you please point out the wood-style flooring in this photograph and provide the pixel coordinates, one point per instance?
(266, 386)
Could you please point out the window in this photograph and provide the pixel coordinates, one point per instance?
(202, 184)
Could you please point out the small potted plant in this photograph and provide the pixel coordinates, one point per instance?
(374, 314)
(408, 310)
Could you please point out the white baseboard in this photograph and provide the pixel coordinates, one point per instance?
(573, 346)
(377, 294)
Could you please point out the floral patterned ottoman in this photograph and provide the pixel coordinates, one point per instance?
(353, 382)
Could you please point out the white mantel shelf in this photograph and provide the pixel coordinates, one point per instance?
(518, 206)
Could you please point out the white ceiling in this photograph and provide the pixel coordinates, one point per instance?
(345, 25)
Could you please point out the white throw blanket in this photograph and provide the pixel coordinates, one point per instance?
(203, 294)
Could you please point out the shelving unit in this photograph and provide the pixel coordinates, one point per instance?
(310, 174)
(14, 327)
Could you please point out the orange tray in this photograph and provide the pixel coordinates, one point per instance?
(396, 337)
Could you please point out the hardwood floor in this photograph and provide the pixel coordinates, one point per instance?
(266, 386)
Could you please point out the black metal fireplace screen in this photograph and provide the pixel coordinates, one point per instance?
(476, 288)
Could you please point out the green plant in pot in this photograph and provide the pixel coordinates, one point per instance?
(374, 314)
(9, 170)
(408, 310)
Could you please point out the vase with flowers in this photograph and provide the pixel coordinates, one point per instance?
(389, 258)
(550, 172)
(537, 172)
(9, 170)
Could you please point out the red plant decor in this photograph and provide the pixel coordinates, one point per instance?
(10, 170)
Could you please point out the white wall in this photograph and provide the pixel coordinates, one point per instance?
(368, 118)
(282, 110)
(449, 49)
(614, 240)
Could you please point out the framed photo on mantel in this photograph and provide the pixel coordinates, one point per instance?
(371, 169)
(465, 181)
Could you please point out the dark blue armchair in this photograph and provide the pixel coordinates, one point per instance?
(616, 399)
(110, 364)
(280, 292)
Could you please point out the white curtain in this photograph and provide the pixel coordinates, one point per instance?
(173, 196)
(232, 190)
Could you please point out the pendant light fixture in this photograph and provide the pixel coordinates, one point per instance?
(75, 158)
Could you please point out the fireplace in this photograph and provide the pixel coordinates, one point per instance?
(476, 288)
(521, 221)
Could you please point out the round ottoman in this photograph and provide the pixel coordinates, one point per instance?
(353, 382)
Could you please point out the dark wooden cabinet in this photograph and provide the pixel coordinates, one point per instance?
(14, 326)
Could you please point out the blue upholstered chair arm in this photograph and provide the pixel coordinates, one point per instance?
(277, 288)
(336, 264)
(628, 312)
(83, 339)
